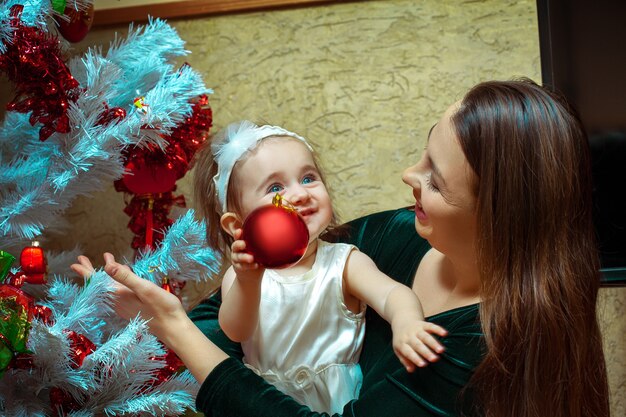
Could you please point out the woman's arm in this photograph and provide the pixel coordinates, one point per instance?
(231, 389)
(166, 318)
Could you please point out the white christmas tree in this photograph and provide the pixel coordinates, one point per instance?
(62, 350)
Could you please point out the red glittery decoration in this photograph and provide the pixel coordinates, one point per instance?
(62, 402)
(43, 83)
(144, 176)
(111, 115)
(22, 361)
(194, 132)
(80, 347)
(44, 314)
(172, 366)
(140, 209)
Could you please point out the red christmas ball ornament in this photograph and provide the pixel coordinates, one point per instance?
(75, 29)
(276, 235)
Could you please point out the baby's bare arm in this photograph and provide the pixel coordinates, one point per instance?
(241, 294)
(399, 305)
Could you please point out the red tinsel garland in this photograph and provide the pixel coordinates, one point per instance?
(149, 217)
(43, 83)
(173, 365)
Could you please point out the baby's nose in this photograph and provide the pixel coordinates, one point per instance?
(298, 195)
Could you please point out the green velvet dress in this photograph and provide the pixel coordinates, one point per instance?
(389, 238)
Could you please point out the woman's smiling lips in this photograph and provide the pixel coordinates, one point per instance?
(419, 212)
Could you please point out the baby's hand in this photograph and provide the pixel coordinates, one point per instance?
(243, 262)
(414, 344)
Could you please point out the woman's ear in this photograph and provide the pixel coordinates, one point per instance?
(230, 222)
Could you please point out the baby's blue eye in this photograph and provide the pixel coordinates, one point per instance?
(274, 188)
(308, 179)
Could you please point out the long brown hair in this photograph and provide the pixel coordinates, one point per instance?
(537, 253)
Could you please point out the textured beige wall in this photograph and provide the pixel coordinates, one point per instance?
(364, 82)
(612, 314)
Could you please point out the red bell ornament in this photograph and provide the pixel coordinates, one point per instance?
(276, 235)
(33, 264)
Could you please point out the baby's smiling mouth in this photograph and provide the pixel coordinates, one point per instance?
(306, 212)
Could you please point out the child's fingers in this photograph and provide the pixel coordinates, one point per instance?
(238, 246)
(427, 354)
(242, 258)
(428, 340)
(423, 350)
(408, 365)
(411, 357)
(245, 266)
(435, 329)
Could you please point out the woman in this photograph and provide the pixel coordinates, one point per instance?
(503, 198)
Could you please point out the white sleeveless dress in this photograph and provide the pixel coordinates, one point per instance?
(307, 343)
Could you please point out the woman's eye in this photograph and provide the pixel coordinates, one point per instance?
(431, 186)
(274, 188)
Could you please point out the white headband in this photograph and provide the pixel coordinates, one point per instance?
(234, 141)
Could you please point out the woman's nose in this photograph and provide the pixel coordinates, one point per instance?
(410, 176)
